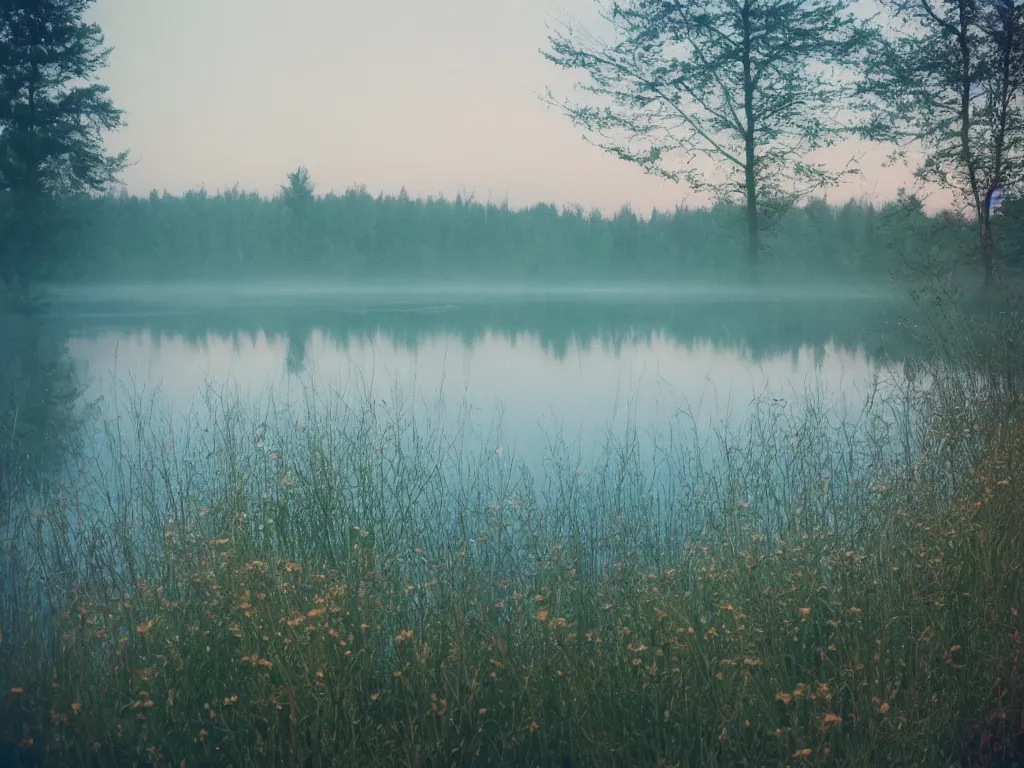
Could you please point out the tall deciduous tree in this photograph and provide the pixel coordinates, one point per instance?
(948, 81)
(53, 115)
(752, 85)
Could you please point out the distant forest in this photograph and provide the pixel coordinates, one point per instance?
(355, 235)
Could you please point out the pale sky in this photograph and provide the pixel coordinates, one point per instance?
(440, 96)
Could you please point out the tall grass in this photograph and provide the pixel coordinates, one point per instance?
(345, 585)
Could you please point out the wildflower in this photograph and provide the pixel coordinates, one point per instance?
(76, 707)
(802, 753)
(884, 708)
(145, 628)
(533, 726)
(805, 612)
(831, 719)
(542, 615)
(316, 612)
(375, 696)
(785, 698)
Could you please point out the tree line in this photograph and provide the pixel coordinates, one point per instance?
(753, 88)
(733, 97)
(356, 235)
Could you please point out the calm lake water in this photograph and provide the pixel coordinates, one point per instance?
(521, 366)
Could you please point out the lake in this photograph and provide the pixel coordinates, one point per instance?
(521, 368)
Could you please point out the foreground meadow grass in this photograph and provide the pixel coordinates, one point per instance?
(345, 589)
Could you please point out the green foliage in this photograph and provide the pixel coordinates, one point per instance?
(52, 117)
(751, 86)
(949, 81)
(354, 235)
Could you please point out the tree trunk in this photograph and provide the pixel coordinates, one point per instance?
(969, 160)
(750, 157)
(753, 228)
(987, 245)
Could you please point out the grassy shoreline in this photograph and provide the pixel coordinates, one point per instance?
(315, 591)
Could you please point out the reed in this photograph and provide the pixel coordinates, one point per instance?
(342, 584)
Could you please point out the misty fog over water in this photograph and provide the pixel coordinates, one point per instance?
(517, 368)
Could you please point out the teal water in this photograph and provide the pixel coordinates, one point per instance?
(517, 370)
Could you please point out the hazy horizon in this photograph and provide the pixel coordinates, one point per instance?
(387, 95)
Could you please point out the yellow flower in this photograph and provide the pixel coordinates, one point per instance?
(76, 707)
(805, 612)
(785, 698)
(542, 615)
(802, 753)
(884, 708)
(533, 726)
